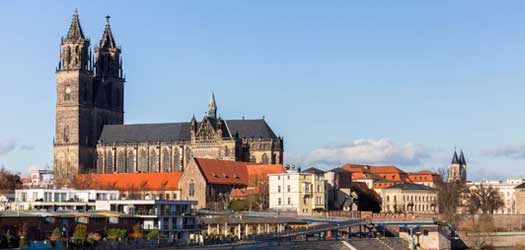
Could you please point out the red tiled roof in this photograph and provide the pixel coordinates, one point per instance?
(25, 180)
(137, 181)
(223, 172)
(259, 173)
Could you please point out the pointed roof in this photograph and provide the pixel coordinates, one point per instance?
(212, 106)
(462, 160)
(75, 30)
(455, 159)
(107, 40)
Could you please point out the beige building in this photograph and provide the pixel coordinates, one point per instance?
(90, 134)
(303, 192)
(519, 197)
(506, 191)
(409, 198)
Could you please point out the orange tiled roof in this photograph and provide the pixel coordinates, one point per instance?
(240, 193)
(25, 180)
(137, 181)
(223, 172)
(259, 173)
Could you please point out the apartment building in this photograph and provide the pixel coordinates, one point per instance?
(303, 192)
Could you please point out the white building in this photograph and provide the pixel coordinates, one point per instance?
(506, 191)
(40, 178)
(303, 192)
(61, 199)
(175, 219)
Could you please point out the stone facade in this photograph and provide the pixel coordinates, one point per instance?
(409, 198)
(89, 95)
(90, 135)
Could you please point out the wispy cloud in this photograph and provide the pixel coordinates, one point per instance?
(515, 152)
(369, 151)
(6, 146)
(27, 147)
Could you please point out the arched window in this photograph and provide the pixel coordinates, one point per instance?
(131, 162)
(226, 151)
(166, 160)
(264, 159)
(191, 189)
(176, 160)
(100, 162)
(109, 161)
(121, 162)
(143, 161)
(252, 159)
(274, 158)
(188, 156)
(154, 162)
(66, 134)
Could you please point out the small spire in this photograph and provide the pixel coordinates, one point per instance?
(75, 30)
(455, 159)
(462, 160)
(107, 40)
(212, 107)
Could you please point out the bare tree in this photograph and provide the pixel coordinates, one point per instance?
(449, 197)
(484, 199)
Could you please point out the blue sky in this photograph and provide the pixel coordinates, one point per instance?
(395, 82)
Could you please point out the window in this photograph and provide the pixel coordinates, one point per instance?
(188, 155)
(121, 162)
(226, 151)
(66, 134)
(100, 161)
(109, 161)
(279, 201)
(288, 177)
(288, 188)
(131, 162)
(154, 162)
(264, 159)
(278, 177)
(318, 188)
(143, 161)
(279, 189)
(191, 189)
(289, 201)
(305, 200)
(319, 200)
(252, 159)
(166, 160)
(176, 160)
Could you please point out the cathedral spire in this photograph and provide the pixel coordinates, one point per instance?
(212, 107)
(462, 160)
(455, 159)
(108, 62)
(107, 40)
(75, 30)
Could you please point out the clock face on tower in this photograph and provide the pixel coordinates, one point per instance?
(67, 93)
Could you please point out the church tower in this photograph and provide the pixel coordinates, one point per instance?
(458, 168)
(74, 147)
(108, 82)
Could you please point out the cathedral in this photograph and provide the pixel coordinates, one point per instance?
(458, 168)
(91, 137)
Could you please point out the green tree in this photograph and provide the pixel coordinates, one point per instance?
(116, 234)
(153, 234)
(80, 234)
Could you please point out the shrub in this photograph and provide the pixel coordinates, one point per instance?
(153, 234)
(80, 233)
(136, 232)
